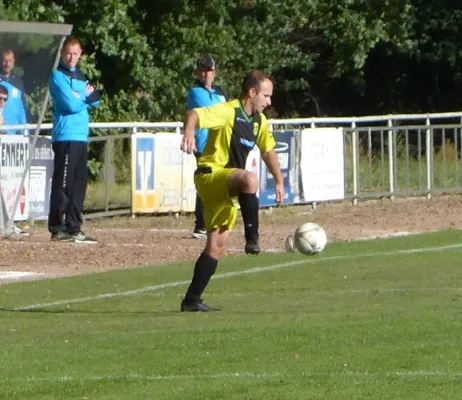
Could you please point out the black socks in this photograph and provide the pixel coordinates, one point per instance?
(249, 209)
(203, 270)
(206, 266)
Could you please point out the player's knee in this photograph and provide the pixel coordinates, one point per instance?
(217, 242)
(250, 183)
(216, 250)
(242, 181)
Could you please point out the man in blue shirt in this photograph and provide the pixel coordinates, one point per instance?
(4, 94)
(72, 96)
(203, 94)
(14, 112)
(5, 120)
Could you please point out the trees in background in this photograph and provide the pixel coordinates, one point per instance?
(328, 57)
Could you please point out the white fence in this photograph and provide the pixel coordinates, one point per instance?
(384, 156)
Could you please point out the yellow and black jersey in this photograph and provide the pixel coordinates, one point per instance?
(232, 134)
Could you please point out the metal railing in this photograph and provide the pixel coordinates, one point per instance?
(385, 155)
(396, 155)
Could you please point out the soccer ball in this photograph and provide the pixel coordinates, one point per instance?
(310, 238)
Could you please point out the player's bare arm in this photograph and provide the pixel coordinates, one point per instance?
(271, 160)
(188, 144)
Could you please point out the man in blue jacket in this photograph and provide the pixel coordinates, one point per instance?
(5, 120)
(4, 94)
(204, 94)
(14, 112)
(71, 96)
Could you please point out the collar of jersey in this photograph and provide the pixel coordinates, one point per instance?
(248, 117)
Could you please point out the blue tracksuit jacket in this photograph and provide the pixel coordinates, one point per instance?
(70, 104)
(14, 112)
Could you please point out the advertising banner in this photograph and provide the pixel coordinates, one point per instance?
(162, 175)
(168, 173)
(322, 164)
(285, 150)
(189, 189)
(14, 151)
(40, 176)
(143, 148)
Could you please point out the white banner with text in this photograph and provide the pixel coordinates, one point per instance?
(322, 165)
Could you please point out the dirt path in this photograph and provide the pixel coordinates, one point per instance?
(135, 242)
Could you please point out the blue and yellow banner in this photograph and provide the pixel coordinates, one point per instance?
(162, 175)
(285, 150)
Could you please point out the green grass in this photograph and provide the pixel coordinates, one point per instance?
(411, 176)
(410, 168)
(118, 196)
(363, 320)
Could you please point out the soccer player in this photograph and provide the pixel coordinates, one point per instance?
(235, 127)
(72, 97)
(203, 94)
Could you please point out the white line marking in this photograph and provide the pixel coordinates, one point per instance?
(352, 291)
(384, 236)
(270, 250)
(168, 285)
(390, 290)
(13, 275)
(242, 375)
(50, 243)
(28, 243)
(156, 230)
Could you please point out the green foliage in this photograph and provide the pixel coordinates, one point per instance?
(437, 32)
(353, 28)
(32, 10)
(356, 55)
(94, 167)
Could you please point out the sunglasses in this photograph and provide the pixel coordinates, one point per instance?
(3, 98)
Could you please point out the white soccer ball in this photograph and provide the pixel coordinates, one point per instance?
(310, 238)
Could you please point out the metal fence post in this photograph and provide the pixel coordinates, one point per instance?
(313, 204)
(355, 160)
(429, 153)
(457, 145)
(391, 161)
(109, 170)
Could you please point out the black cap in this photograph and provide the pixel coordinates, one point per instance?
(205, 63)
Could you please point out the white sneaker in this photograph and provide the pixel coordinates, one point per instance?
(80, 237)
(199, 234)
(16, 230)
